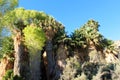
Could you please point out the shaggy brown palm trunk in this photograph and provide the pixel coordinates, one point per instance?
(35, 71)
(92, 52)
(50, 60)
(21, 58)
(95, 53)
(61, 57)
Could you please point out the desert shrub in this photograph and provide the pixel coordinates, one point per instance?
(71, 69)
(90, 69)
(105, 72)
(81, 77)
(116, 73)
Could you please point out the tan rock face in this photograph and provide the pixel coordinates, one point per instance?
(4, 66)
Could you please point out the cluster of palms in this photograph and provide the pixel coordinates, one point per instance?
(17, 21)
(29, 46)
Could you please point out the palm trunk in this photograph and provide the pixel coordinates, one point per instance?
(21, 59)
(50, 60)
(92, 52)
(35, 66)
(5, 65)
(61, 57)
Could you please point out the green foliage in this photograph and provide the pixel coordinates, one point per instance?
(91, 33)
(33, 26)
(7, 46)
(107, 43)
(105, 72)
(71, 68)
(90, 69)
(17, 78)
(81, 77)
(9, 76)
(19, 18)
(77, 39)
(60, 37)
(34, 38)
(108, 67)
(81, 39)
(88, 32)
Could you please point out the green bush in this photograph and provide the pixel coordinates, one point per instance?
(82, 77)
(105, 72)
(90, 69)
(9, 76)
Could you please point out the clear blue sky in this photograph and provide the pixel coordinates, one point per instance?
(74, 13)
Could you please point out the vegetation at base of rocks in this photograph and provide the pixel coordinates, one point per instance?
(90, 71)
(78, 71)
(9, 76)
(81, 77)
(71, 69)
(107, 71)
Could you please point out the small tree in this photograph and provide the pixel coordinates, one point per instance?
(71, 69)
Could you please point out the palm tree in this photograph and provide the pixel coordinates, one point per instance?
(51, 27)
(16, 21)
(88, 37)
(34, 40)
(93, 38)
(60, 47)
